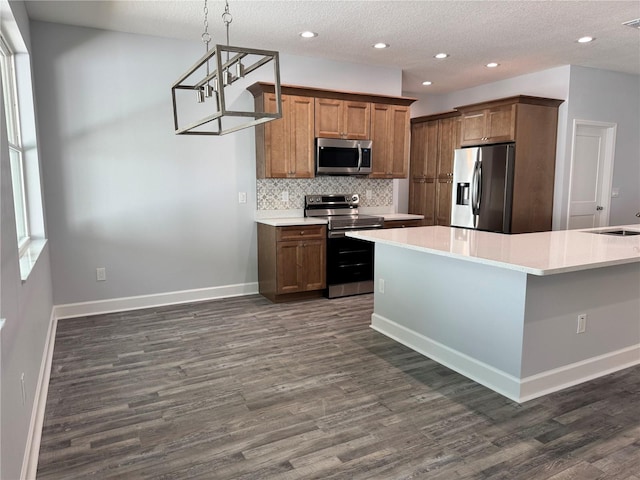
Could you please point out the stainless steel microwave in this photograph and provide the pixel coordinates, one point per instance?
(335, 156)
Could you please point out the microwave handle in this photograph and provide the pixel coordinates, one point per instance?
(359, 156)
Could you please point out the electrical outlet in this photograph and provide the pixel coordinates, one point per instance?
(101, 274)
(582, 323)
(615, 192)
(285, 196)
(369, 194)
(242, 197)
(381, 285)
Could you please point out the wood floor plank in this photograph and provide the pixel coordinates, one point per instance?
(242, 388)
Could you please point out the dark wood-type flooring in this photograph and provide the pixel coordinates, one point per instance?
(244, 389)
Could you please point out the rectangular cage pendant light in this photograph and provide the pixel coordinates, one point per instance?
(202, 94)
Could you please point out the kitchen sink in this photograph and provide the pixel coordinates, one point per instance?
(620, 232)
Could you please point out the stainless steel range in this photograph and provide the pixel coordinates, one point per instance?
(349, 261)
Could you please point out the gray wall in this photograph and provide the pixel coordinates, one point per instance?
(26, 306)
(589, 94)
(613, 97)
(159, 211)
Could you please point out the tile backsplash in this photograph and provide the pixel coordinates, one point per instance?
(269, 191)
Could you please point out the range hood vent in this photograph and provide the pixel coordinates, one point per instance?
(633, 23)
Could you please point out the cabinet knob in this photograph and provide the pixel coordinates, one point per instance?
(599, 208)
(301, 232)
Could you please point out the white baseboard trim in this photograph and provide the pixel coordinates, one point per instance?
(497, 380)
(579, 372)
(72, 310)
(32, 450)
(517, 389)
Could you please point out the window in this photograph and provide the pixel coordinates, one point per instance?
(16, 151)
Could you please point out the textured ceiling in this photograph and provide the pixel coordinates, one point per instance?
(522, 36)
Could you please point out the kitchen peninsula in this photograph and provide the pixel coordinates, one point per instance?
(505, 310)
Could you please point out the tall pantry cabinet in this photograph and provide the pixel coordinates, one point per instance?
(433, 141)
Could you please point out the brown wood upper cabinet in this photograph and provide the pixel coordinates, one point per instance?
(342, 119)
(390, 136)
(489, 125)
(284, 147)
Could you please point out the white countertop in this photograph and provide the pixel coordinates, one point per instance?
(542, 253)
(289, 221)
(285, 222)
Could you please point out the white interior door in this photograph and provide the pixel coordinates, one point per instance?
(591, 173)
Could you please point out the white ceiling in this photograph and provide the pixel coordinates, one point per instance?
(521, 35)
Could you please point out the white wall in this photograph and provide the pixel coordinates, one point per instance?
(159, 211)
(552, 83)
(26, 306)
(589, 94)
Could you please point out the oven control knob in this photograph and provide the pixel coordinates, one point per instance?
(354, 198)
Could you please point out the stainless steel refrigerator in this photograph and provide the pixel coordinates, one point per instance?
(483, 187)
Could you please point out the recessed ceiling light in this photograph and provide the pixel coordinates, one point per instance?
(426, 83)
(633, 23)
(308, 34)
(585, 39)
(380, 45)
(441, 55)
(492, 65)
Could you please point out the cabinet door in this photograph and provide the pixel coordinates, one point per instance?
(288, 271)
(424, 159)
(313, 265)
(356, 120)
(399, 134)
(443, 201)
(501, 124)
(473, 128)
(381, 161)
(328, 118)
(301, 134)
(422, 198)
(276, 138)
(449, 140)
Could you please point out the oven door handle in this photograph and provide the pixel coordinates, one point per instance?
(341, 232)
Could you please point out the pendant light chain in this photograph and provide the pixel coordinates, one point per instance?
(227, 18)
(206, 38)
(206, 90)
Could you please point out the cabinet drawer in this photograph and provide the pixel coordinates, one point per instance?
(298, 232)
(401, 223)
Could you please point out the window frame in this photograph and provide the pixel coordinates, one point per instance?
(16, 150)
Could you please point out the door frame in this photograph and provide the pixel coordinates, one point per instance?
(607, 170)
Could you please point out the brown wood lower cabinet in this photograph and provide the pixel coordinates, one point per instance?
(291, 261)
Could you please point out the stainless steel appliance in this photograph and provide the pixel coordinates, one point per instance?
(483, 187)
(349, 261)
(335, 156)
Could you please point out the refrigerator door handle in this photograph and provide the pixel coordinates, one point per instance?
(476, 185)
